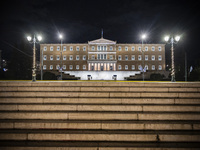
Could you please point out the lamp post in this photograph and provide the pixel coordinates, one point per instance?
(42, 65)
(143, 37)
(34, 40)
(61, 37)
(172, 40)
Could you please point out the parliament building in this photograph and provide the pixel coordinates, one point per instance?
(102, 59)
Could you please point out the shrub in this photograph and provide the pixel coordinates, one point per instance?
(156, 77)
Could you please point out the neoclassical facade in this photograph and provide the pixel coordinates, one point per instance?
(101, 58)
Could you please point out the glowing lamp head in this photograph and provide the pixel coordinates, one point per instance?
(29, 38)
(167, 38)
(177, 38)
(143, 36)
(60, 36)
(39, 38)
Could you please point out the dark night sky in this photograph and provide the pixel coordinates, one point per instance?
(82, 20)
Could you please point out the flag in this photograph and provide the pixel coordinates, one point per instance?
(191, 68)
(101, 33)
(145, 69)
(141, 69)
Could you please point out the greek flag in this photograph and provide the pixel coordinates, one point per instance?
(145, 69)
(191, 68)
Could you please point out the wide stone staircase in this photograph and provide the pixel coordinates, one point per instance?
(99, 116)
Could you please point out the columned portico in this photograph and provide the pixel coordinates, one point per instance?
(102, 66)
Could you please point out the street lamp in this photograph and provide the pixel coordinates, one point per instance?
(143, 38)
(34, 40)
(61, 37)
(172, 40)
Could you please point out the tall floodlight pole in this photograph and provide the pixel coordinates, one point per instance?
(61, 37)
(29, 38)
(172, 41)
(143, 37)
(42, 65)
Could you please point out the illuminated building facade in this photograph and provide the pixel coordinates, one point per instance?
(102, 58)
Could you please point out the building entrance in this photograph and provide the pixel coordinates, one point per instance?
(99, 66)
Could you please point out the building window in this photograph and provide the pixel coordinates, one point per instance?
(58, 48)
(119, 57)
(64, 67)
(146, 48)
(64, 57)
(51, 67)
(153, 48)
(44, 67)
(139, 57)
(119, 67)
(84, 57)
(105, 56)
(84, 48)
(98, 48)
(159, 57)
(101, 48)
(159, 48)
(133, 67)
(119, 48)
(126, 67)
(111, 48)
(101, 56)
(77, 48)
(160, 67)
(133, 57)
(57, 67)
(71, 48)
(71, 57)
(51, 48)
(153, 57)
(93, 57)
(126, 57)
(126, 48)
(84, 67)
(58, 57)
(98, 56)
(70, 67)
(77, 67)
(77, 57)
(45, 48)
(111, 57)
(146, 57)
(139, 48)
(45, 57)
(105, 48)
(64, 48)
(153, 67)
(93, 48)
(51, 57)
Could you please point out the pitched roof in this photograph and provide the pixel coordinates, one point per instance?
(101, 41)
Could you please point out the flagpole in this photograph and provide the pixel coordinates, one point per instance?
(102, 33)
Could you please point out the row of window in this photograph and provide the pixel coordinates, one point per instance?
(153, 57)
(104, 56)
(64, 48)
(153, 67)
(63, 67)
(103, 48)
(146, 48)
(64, 57)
